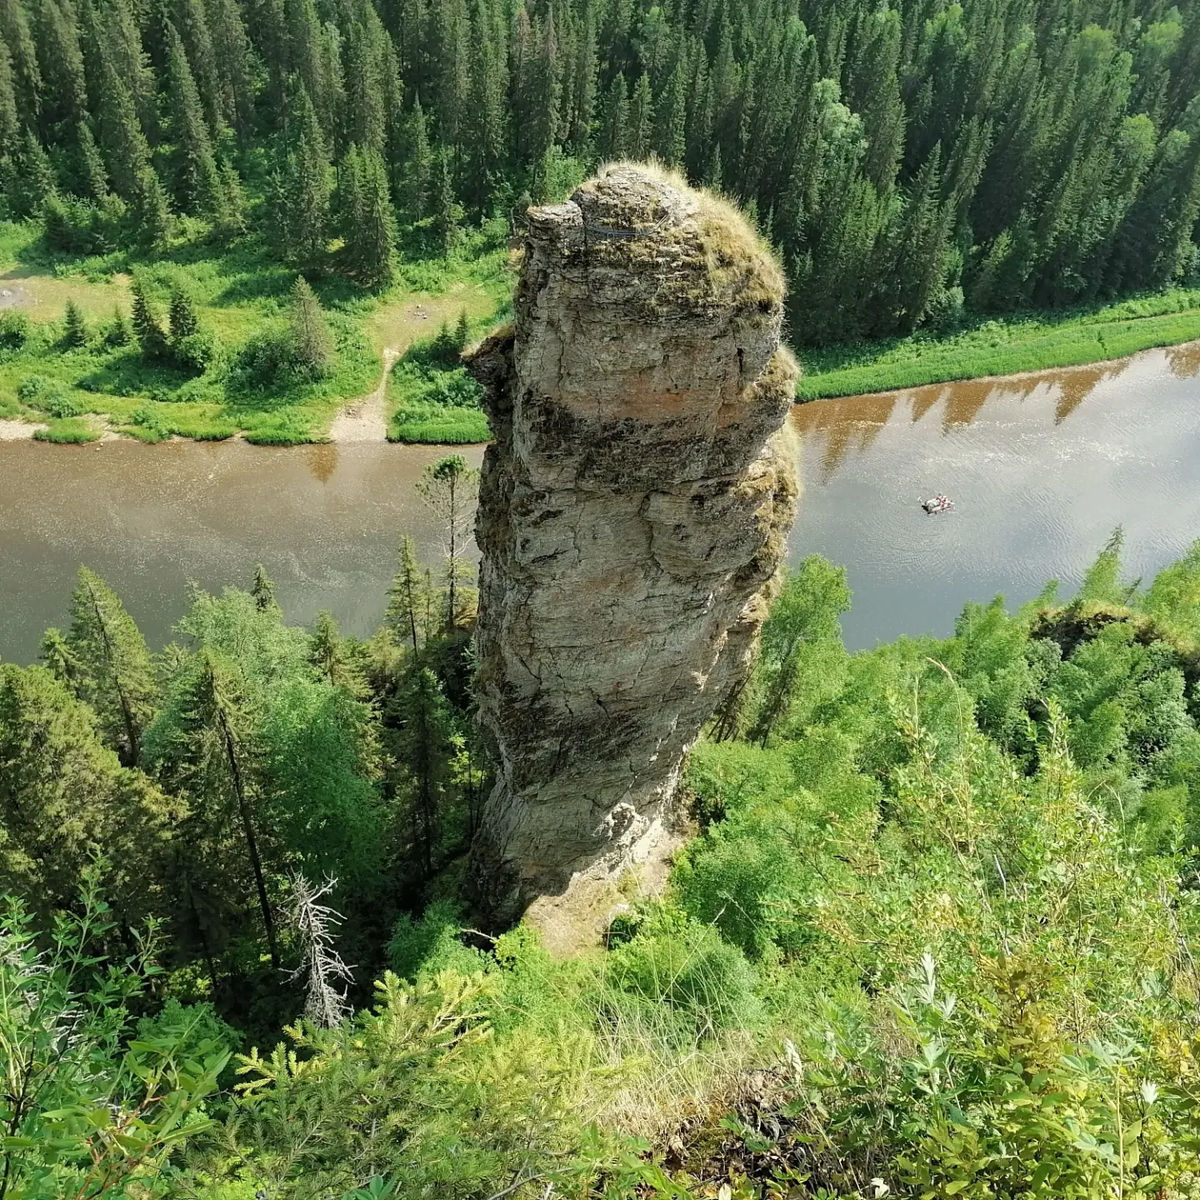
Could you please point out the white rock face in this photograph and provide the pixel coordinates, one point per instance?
(633, 513)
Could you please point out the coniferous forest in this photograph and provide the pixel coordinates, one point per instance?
(931, 936)
(911, 162)
(930, 925)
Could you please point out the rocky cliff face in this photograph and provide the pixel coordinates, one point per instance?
(633, 512)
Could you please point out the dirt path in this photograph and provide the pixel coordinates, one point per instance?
(365, 419)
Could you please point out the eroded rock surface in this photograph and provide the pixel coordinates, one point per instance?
(633, 513)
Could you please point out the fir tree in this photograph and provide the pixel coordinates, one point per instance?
(303, 187)
(263, 590)
(114, 674)
(75, 330)
(312, 345)
(146, 326)
(446, 211)
(407, 598)
(198, 183)
(33, 180)
(182, 318)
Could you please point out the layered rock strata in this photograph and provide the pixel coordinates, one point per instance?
(633, 513)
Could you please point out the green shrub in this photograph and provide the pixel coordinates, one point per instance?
(15, 328)
(51, 396)
(430, 944)
(199, 351)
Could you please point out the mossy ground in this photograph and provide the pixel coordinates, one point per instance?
(1024, 342)
(240, 291)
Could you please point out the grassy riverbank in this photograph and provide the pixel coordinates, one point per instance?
(1032, 342)
(240, 294)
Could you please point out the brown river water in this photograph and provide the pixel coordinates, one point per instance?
(1041, 468)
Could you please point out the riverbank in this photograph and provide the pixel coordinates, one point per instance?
(1009, 346)
(95, 382)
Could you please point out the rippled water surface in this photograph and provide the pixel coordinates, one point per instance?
(1041, 468)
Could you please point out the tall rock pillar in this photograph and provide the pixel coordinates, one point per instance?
(633, 512)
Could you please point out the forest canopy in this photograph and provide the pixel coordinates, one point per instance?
(912, 161)
(933, 933)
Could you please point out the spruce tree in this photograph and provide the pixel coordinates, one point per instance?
(66, 801)
(641, 118)
(415, 184)
(407, 599)
(210, 752)
(231, 49)
(64, 92)
(93, 177)
(182, 318)
(368, 223)
(34, 180)
(365, 117)
(9, 125)
(263, 590)
(151, 210)
(191, 21)
(312, 345)
(198, 183)
(425, 745)
(55, 652)
(115, 674)
(146, 326)
(75, 330)
(303, 187)
(117, 332)
(446, 211)
(17, 37)
(450, 488)
(615, 120)
(125, 148)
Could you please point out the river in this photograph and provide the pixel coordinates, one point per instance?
(1041, 468)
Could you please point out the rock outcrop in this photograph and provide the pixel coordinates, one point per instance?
(633, 512)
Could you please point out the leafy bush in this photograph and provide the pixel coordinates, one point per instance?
(15, 329)
(51, 396)
(90, 1108)
(199, 351)
(431, 944)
